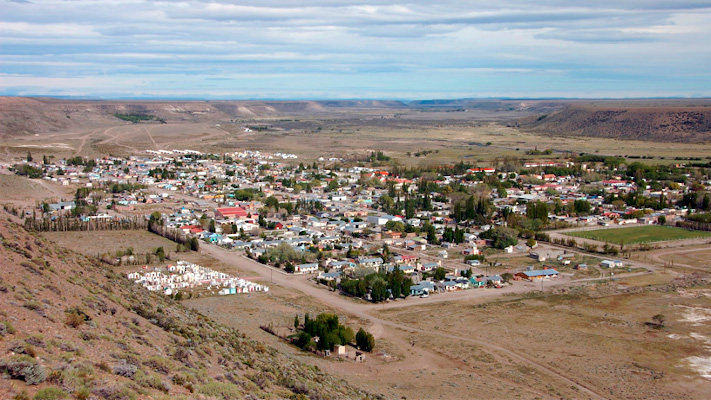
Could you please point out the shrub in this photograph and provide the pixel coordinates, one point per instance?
(83, 393)
(35, 340)
(221, 390)
(24, 368)
(50, 393)
(153, 381)
(75, 317)
(22, 396)
(114, 392)
(33, 305)
(6, 328)
(159, 364)
(22, 348)
(124, 369)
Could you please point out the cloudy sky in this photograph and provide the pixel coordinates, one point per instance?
(330, 49)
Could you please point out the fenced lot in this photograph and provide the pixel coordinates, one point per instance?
(639, 234)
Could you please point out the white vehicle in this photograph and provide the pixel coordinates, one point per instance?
(423, 295)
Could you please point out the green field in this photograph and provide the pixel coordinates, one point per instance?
(639, 234)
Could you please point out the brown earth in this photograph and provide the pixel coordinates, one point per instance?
(70, 323)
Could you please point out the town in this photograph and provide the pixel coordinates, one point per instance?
(385, 233)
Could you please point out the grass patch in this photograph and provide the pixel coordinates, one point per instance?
(639, 234)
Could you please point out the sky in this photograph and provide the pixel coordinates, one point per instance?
(360, 49)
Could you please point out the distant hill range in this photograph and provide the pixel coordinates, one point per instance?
(687, 121)
(683, 120)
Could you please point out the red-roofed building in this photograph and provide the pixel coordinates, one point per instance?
(230, 213)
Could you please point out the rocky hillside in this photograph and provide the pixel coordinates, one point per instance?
(690, 124)
(71, 328)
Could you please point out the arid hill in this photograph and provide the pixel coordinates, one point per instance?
(21, 116)
(69, 325)
(664, 123)
(684, 121)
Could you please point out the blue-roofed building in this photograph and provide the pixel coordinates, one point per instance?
(331, 276)
(422, 288)
(371, 262)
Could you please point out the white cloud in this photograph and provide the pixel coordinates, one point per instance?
(361, 46)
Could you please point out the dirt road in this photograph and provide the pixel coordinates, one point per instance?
(381, 327)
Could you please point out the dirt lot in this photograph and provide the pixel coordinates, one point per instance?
(98, 242)
(27, 193)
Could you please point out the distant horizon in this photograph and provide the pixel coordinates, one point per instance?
(207, 99)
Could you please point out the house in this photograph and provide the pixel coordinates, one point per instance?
(341, 264)
(371, 262)
(477, 282)
(421, 288)
(611, 264)
(384, 219)
(231, 213)
(406, 269)
(429, 266)
(581, 267)
(331, 276)
(495, 280)
(470, 252)
(538, 274)
(308, 268)
(62, 206)
(543, 256)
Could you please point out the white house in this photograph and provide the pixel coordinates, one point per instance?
(308, 268)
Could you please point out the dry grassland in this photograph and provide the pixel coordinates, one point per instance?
(450, 139)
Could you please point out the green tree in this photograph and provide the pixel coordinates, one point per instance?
(160, 253)
(272, 202)
(379, 291)
(364, 340)
(440, 273)
(502, 236)
(581, 206)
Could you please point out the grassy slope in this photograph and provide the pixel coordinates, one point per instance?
(163, 349)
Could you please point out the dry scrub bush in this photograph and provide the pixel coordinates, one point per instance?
(23, 368)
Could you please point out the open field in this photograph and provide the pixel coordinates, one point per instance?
(639, 234)
(98, 242)
(596, 336)
(474, 143)
(26, 193)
